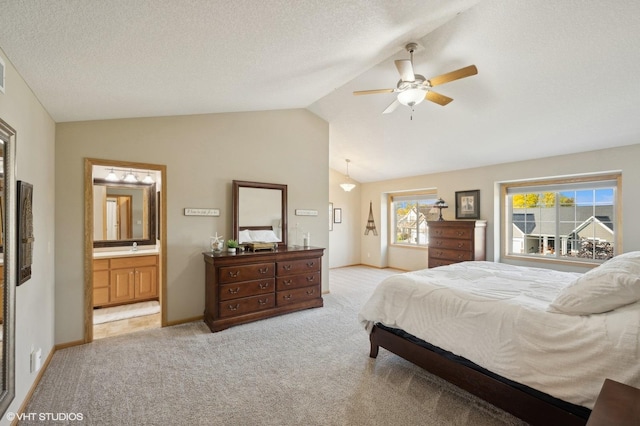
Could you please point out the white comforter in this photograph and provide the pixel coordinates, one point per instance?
(494, 314)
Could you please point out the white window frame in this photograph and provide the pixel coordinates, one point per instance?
(597, 181)
(422, 195)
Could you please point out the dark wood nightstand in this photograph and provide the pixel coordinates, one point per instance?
(618, 404)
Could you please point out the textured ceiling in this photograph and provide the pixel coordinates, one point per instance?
(554, 77)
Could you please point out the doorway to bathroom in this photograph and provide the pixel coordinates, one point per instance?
(125, 247)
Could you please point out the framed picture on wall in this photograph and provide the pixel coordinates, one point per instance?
(330, 216)
(468, 204)
(337, 215)
(25, 231)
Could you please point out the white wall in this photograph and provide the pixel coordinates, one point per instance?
(34, 164)
(203, 154)
(344, 239)
(485, 179)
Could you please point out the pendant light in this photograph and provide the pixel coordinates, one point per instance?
(348, 185)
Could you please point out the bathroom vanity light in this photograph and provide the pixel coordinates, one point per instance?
(129, 176)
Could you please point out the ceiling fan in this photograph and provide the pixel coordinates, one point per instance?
(414, 88)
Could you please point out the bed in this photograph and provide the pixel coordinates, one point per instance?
(535, 342)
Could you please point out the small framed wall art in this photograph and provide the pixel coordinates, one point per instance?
(337, 215)
(468, 204)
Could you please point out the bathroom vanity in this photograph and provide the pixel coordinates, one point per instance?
(125, 278)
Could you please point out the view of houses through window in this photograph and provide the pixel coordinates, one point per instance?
(409, 216)
(563, 220)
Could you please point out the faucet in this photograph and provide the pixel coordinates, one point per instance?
(135, 247)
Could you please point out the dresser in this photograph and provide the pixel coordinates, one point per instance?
(453, 241)
(121, 280)
(250, 286)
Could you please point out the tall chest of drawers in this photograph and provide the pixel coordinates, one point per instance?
(245, 287)
(456, 241)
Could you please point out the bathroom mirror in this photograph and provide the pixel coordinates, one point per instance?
(123, 213)
(8, 284)
(258, 205)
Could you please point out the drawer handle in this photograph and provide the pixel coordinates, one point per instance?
(460, 245)
(263, 285)
(234, 274)
(310, 264)
(234, 308)
(287, 297)
(232, 291)
(439, 253)
(264, 270)
(310, 292)
(311, 278)
(438, 232)
(460, 233)
(287, 267)
(460, 256)
(439, 242)
(287, 282)
(263, 302)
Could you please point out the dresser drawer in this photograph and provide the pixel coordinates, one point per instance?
(256, 271)
(246, 305)
(297, 281)
(288, 297)
(452, 232)
(248, 288)
(436, 243)
(434, 263)
(295, 267)
(450, 254)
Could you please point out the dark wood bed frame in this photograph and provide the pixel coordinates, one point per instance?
(513, 400)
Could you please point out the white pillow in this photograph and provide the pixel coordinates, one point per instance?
(613, 284)
(265, 236)
(244, 236)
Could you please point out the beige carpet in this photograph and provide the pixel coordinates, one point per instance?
(306, 368)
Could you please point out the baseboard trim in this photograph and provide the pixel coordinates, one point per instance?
(184, 321)
(29, 394)
(69, 344)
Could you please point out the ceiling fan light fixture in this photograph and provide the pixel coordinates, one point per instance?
(411, 97)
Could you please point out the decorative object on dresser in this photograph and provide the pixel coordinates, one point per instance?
(440, 204)
(468, 204)
(456, 241)
(249, 286)
(119, 280)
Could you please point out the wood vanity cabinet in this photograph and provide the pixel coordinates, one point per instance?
(453, 241)
(120, 280)
(245, 287)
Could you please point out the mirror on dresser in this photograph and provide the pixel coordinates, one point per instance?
(258, 205)
(124, 213)
(8, 267)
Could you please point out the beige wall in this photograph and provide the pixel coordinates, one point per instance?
(203, 154)
(486, 179)
(34, 164)
(344, 239)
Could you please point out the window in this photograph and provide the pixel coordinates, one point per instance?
(409, 216)
(574, 220)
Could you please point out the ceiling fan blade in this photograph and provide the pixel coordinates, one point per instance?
(372, 92)
(391, 107)
(437, 98)
(405, 68)
(453, 75)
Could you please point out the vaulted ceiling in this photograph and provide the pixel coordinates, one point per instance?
(553, 77)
